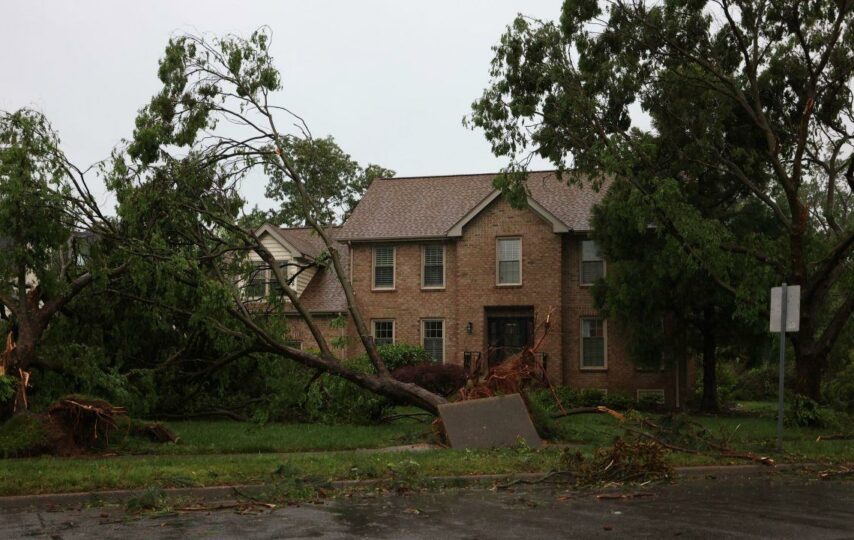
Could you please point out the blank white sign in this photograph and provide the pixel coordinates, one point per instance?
(793, 308)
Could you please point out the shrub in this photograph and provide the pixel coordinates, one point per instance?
(333, 400)
(23, 435)
(839, 390)
(803, 412)
(398, 355)
(442, 379)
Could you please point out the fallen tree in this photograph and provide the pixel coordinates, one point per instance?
(182, 208)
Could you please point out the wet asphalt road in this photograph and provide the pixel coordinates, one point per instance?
(790, 507)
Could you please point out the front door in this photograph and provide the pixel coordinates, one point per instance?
(508, 336)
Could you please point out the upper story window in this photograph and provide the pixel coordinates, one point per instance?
(262, 281)
(593, 344)
(509, 261)
(592, 263)
(384, 267)
(383, 332)
(433, 266)
(256, 287)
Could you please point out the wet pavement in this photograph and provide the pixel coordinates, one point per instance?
(761, 507)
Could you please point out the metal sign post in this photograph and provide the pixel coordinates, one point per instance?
(782, 369)
(785, 317)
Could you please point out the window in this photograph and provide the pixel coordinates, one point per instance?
(256, 286)
(384, 267)
(276, 287)
(294, 343)
(592, 264)
(593, 344)
(509, 261)
(433, 338)
(262, 281)
(433, 269)
(383, 332)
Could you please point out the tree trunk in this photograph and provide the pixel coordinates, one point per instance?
(808, 370)
(18, 358)
(709, 402)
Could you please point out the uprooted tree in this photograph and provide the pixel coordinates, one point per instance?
(211, 128)
(752, 99)
(48, 219)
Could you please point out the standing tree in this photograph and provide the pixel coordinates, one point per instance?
(44, 206)
(332, 179)
(209, 128)
(754, 96)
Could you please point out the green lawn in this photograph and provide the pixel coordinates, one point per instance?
(225, 437)
(219, 453)
(52, 475)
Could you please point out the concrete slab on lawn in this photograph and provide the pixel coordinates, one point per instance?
(489, 423)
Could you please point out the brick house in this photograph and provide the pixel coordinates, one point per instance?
(447, 263)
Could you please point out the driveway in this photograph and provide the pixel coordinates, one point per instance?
(761, 507)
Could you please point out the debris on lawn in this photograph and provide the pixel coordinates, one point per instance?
(835, 437)
(689, 437)
(154, 432)
(76, 424)
(87, 422)
(834, 473)
(625, 461)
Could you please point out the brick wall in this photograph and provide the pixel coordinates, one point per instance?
(621, 376)
(550, 279)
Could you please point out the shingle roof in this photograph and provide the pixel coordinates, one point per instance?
(304, 239)
(427, 207)
(324, 293)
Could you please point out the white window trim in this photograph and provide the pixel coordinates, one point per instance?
(444, 337)
(498, 262)
(581, 264)
(581, 344)
(374, 269)
(393, 329)
(444, 267)
(641, 392)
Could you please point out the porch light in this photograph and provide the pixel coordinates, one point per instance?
(469, 327)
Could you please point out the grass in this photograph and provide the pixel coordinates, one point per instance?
(223, 437)
(54, 475)
(220, 453)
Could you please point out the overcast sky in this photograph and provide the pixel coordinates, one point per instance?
(390, 80)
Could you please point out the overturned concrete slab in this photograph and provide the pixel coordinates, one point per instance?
(489, 423)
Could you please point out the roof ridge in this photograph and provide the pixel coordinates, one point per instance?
(425, 177)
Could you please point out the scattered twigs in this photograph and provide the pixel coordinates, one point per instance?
(584, 410)
(835, 437)
(838, 472)
(539, 480)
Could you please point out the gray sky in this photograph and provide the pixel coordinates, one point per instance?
(390, 80)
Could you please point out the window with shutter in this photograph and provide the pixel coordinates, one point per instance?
(384, 267)
(433, 270)
(509, 258)
(433, 338)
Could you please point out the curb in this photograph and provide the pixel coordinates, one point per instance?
(57, 501)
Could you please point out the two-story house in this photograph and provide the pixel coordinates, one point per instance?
(447, 263)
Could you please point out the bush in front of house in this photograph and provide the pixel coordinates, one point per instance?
(442, 379)
(333, 400)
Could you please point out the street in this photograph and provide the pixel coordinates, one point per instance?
(761, 507)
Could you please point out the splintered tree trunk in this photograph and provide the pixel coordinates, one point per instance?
(17, 356)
